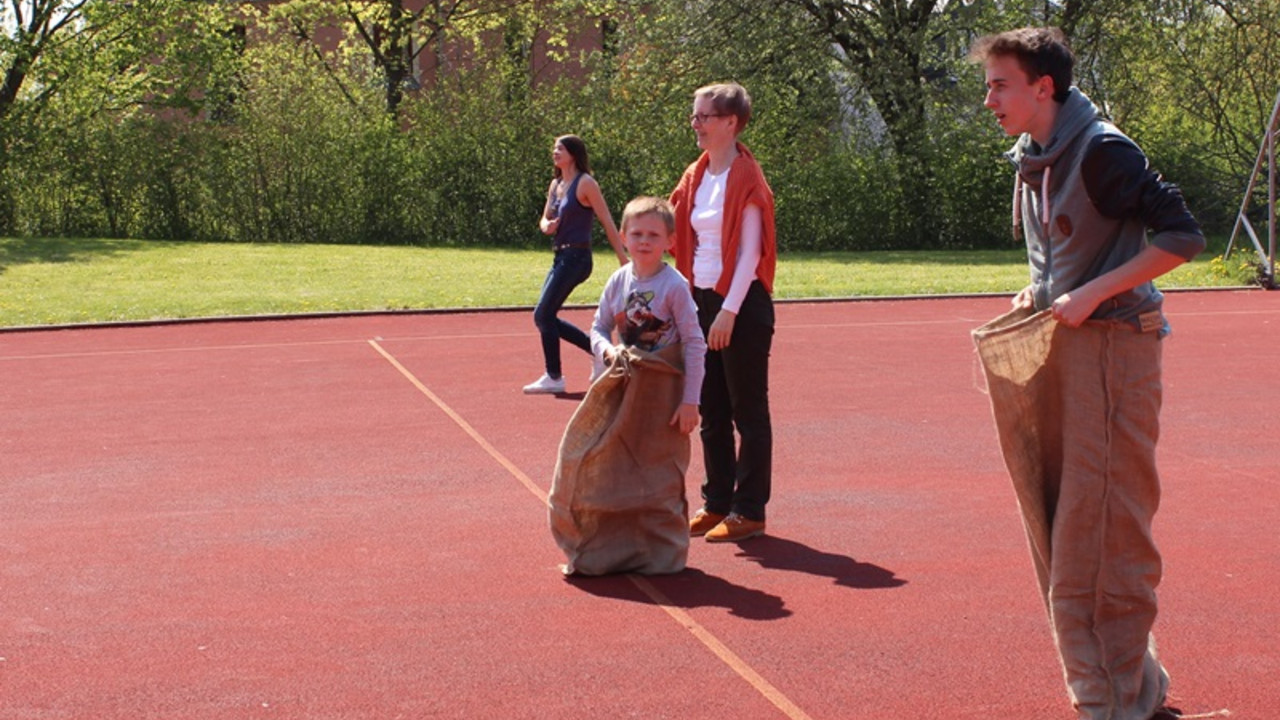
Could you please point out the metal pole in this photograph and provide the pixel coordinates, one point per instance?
(1242, 220)
(1271, 198)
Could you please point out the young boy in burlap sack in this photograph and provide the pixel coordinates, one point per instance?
(617, 501)
(1074, 370)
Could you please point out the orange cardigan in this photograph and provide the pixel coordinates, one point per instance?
(747, 186)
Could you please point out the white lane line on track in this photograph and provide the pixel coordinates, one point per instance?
(704, 636)
(462, 423)
(255, 346)
(185, 349)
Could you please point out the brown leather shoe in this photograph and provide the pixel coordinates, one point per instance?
(703, 521)
(735, 528)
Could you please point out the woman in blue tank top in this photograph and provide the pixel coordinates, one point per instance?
(572, 199)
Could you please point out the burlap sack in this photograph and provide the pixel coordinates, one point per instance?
(1014, 349)
(1077, 413)
(617, 501)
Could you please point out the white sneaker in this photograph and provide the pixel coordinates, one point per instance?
(545, 385)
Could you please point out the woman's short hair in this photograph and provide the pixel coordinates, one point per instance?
(1040, 51)
(729, 99)
(647, 205)
(577, 149)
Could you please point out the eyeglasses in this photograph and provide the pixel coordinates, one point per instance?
(702, 118)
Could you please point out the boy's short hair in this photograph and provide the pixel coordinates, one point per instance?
(650, 206)
(730, 99)
(1040, 51)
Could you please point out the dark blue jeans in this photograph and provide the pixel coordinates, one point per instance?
(735, 394)
(570, 268)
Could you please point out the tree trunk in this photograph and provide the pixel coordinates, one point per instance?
(394, 56)
(882, 46)
(13, 79)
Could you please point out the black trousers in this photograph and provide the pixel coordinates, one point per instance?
(735, 396)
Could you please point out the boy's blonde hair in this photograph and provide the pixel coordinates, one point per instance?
(650, 206)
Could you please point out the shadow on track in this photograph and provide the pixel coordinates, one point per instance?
(695, 588)
(689, 589)
(777, 553)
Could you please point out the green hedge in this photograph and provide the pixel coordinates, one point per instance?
(300, 159)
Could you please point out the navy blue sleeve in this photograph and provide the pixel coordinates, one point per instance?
(1121, 185)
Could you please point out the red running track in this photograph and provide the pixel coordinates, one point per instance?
(344, 518)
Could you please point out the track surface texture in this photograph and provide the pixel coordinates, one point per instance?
(345, 518)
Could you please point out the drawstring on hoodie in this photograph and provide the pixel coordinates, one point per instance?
(1017, 204)
(1044, 204)
(1045, 214)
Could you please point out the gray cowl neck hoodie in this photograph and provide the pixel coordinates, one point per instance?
(1075, 115)
(1069, 242)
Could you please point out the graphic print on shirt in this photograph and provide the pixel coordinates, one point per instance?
(639, 326)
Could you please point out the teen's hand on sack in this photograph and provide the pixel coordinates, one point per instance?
(721, 330)
(1024, 299)
(1073, 308)
(685, 418)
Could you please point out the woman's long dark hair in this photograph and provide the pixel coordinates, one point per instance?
(577, 149)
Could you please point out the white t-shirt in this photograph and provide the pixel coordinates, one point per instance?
(707, 219)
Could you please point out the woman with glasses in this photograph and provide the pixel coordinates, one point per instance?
(573, 199)
(725, 246)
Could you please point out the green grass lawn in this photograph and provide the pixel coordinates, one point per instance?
(53, 281)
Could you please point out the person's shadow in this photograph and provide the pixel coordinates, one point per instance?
(778, 553)
(692, 588)
(688, 588)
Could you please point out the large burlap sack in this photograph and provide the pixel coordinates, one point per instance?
(1015, 349)
(1077, 413)
(617, 501)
